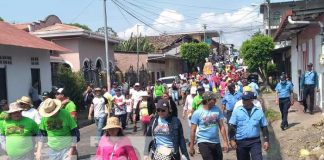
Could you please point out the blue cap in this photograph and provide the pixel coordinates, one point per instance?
(248, 95)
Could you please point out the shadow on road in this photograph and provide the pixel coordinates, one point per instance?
(274, 152)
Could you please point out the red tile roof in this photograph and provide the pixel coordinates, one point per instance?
(22, 26)
(59, 27)
(10, 35)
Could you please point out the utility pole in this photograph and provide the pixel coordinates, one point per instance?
(269, 25)
(205, 27)
(106, 46)
(137, 52)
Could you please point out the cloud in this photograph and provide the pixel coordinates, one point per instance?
(236, 26)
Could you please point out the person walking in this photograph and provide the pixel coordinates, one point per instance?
(145, 110)
(174, 92)
(97, 108)
(88, 97)
(136, 97)
(109, 97)
(184, 88)
(60, 130)
(120, 107)
(166, 133)
(173, 106)
(67, 104)
(19, 133)
(285, 99)
(114, 144)
(209, 120)
(197, 101)
(255, 87)
(309, 83)
(29, 111)
(244, 129)
(187, 108)
(34, 94)
(229, 100)
(158, 90)
(207, 86)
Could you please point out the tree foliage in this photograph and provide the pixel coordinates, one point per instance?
(256, 53)
(130, 45)
(83, 26)
(1, 19)
(194, 53)
(111, 32)
(73, 83)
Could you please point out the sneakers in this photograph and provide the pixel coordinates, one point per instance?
(284, 127)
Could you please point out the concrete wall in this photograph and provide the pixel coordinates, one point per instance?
(124, 60)
(71, 58)
(19, 72)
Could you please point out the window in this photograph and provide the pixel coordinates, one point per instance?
(157, 75)
(162, 74)
(34, 61)
(153, 77)
(5, 60)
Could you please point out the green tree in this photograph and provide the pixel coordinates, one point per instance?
(83, 26)
(130, 45)
(111, 32)
(194, 53)
(1, 19)
(256, 53)
(73, 83)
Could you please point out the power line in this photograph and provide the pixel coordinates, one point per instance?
(120, 11)
(82, 11)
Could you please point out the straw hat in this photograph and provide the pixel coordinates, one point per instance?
(112, 122)
(49, 107)
(25, 100)
(14, 107)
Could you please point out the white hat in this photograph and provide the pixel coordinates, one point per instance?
(49, 107)
(137, 84)
(14, 107)
(193, 90)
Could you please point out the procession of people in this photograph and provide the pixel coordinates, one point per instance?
(239, 118)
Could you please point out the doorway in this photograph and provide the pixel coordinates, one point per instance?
(3, 84)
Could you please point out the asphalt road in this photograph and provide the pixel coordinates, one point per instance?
(87, 149)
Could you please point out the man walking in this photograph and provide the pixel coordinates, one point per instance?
(229, 100)
(309, 82)
(28, 110)
(158, 90)
(67, 104)
(244, 129)
(285, 99)
(209, 119)
(98, 108)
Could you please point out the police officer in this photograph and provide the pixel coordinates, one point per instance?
(309, 82)
(285, 99)
(244, 127)
(229, 100)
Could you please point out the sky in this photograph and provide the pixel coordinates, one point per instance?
(236, 20)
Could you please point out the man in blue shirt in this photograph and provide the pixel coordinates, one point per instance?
(255, 87)
(285, 99)
(309, 82)
(229, 100)
(208, 119)
(245, 125)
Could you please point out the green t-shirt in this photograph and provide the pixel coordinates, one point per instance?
(19, 136)
(158, 90)
(58, 129)
(197, 102)
(70, 107)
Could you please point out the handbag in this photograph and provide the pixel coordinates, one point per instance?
(145, 119)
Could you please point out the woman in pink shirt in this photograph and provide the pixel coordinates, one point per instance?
(114, 145)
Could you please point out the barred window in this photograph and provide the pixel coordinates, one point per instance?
(5, 60)
(34, 61)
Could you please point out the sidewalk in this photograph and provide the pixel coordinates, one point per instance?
(301, 133)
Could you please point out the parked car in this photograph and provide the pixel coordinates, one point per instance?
(169, 80)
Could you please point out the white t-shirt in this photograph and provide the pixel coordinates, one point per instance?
(188, 103)
(33, 114)
(99, 106)
(121, 109)
(136, 97)
(128, 105)
(255, 102)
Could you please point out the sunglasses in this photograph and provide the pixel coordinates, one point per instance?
(160, 110)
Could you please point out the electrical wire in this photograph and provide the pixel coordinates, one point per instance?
(82, 11)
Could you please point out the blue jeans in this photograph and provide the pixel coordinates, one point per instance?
(100, 123)
(175, 96)
(123, 119)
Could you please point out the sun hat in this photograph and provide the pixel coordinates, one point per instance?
(25, 100)
(193, 90)
(248, 96)
(14, 107)
(112, 122)
(209, 95)
(49, 107)
(163, 104)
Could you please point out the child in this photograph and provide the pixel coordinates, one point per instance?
(129, 108)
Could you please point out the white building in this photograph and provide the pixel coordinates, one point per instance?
(24, 60)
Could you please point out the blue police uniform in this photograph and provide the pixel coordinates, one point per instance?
(308, 83)
(248, 132)
(284, 90)
(229, 101)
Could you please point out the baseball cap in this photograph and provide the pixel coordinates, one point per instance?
(310, 64)
(115, 83)
(60, 91)
(162, 104)
(45, 94)
(283, 78)
(200, 88)
(137, 84)
(209, 95)
(248, 95)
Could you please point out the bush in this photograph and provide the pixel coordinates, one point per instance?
(272, 115)
(73, 84)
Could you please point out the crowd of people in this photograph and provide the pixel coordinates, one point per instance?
(25, 127)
